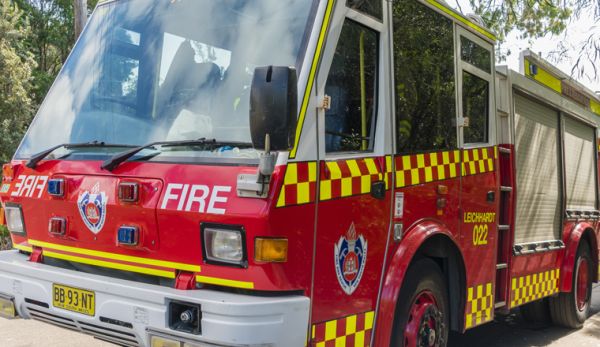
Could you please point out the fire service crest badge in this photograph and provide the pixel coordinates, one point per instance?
(92, 208)
(350, 259)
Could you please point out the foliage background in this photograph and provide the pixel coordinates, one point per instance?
(36, 37)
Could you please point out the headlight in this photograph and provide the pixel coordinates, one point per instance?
(14, 219)
(224, 244)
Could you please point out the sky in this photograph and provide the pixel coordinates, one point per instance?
(577, 31)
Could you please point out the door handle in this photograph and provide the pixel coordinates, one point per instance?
(378, 190)
(491, 196)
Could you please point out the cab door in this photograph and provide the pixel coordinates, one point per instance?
(479, 174)
(354, 207)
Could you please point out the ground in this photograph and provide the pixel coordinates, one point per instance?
(506, 331)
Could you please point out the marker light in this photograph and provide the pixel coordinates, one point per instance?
(159, 341)
(7, 307)
(270, 250)
(14, 219)
(128, 191)
(56, 187)
(57, 226)
(224, 245)
(8, 173)
(128, 235)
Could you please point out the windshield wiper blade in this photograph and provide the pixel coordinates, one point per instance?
(33, 161)
(118, 159)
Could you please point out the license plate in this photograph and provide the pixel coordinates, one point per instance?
(74, 299)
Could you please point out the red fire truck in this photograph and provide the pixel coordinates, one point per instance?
(293, 172)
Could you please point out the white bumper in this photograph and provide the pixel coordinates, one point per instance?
(227, 319)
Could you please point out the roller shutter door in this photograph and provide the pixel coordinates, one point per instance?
(537, 215)
(580, 174)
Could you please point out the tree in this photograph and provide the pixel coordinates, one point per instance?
(536, 18)
(52, 37)
(16, 66)
(80, 13)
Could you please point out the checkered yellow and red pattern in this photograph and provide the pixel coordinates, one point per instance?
(351, 331)
(299, 184)
(532, 287)
(345, 178)
(480, 305)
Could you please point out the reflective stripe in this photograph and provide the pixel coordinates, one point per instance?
(533, 287)
(111, 265)
(225, 282)
(480, 305)
(544, 77)
(23, 248)
(114, 256)
(311, 76)
(483, 31)
(353, 330)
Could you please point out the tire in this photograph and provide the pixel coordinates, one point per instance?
(570, 310)
(537, 312)
(422, 313)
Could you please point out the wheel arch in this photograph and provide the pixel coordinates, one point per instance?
(579, 232)
(426, 239)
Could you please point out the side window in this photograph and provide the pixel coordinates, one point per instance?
(373, 8)
(476, 100)
(425, 79)
(476, 66)
(352, 86)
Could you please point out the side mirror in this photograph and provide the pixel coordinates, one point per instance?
(274, 107)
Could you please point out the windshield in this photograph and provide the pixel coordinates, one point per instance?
(170, 70)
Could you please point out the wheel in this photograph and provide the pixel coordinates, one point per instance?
(537, 312)
(422, 313)
(572, 309)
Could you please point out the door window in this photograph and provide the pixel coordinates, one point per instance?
(476, 79)
(352, 86)
(425, 79)
(476, 100)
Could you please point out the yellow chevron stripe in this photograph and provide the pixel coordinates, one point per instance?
(114, 256)
(110, 265)
(23, 248)
(225, 282)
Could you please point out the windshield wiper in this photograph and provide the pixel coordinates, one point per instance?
(33, 161)
(118, 159)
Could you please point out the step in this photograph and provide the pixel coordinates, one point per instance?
(506, 189)
(501, 266)
(503, 227)
(500, 304)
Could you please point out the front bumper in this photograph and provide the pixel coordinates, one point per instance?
(227, 319)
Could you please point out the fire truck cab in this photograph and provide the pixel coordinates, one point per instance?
(293, 173)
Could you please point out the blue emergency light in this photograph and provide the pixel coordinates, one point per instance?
(128, 236)
(56, 187)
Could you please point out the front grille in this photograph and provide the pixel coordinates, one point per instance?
(121, 337)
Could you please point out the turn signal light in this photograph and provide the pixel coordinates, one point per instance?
(8, 173)
(57, 226)
(128, 192)
(271, 250)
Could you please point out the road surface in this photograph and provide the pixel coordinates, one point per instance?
(506, 331)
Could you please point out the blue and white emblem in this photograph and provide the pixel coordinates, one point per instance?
(350, 258)
(92, 208)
